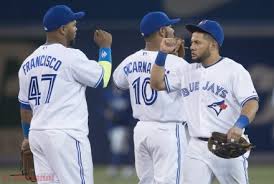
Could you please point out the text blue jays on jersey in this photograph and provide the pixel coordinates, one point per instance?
(42, 61)
(209, 86)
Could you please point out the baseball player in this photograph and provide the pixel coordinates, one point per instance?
(159, 136)
(218, 96)
(53, 81)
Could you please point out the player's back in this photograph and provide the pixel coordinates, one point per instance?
(148, 104)
(53, 80)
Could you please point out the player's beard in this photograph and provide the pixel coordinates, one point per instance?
(71, 43)
(71, 39)
(206, 54)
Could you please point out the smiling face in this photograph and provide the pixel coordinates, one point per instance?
(201, 47)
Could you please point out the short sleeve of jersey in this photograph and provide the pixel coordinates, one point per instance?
(243, 87)
(175, 68)
(85, 71)
(120, 78)
(23, 89)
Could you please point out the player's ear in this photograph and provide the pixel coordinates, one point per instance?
(162, 32)
(215, 44)
(62, 30)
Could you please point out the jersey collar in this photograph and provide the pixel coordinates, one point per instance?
(214, 63)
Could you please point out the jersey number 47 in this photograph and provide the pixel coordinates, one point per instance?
(34, 92)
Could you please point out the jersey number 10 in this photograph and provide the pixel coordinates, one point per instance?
(137, 87)
(34, 92)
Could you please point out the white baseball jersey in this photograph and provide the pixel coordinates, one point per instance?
(53, 82)
(213, 96)
(147, 104)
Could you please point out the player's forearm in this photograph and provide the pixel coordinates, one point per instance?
(157, 77)
(106, 62)
(250, 109)
(248, 113)
(157, 80)
(26, 116)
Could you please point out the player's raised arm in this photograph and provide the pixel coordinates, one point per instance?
(157, 80)
(104, 40)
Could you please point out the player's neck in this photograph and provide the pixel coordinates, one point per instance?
(64, 43)
(211, 60)
(51, 39)
(153, 45)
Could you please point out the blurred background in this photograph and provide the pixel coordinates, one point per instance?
(249, 40)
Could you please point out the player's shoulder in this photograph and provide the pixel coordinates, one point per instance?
(32, 55)
(132, 57)
(234, 68)
(175, 61)
(232, 64)
(35, 53)
(66, 53)
(77, 53)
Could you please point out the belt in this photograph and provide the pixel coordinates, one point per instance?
(203, 138)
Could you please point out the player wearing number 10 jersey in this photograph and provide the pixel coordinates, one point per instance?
(159, 136)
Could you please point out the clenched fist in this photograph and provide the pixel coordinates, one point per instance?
(180, 49)
(102, 38)
(173, 46)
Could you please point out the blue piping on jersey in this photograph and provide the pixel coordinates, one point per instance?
(179, 155)
(245, 169)
(167, 84)
(24, 102)
(214, 63)
(100, 82)
(253, 97)
(24, 105)
(80, 162)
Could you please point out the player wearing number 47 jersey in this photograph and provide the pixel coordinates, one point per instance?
(53, 81)
(159, 136)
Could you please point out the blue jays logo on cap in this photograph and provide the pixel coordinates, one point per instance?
(58, 16)
(218, 106)
(153, 21)
(211, 27)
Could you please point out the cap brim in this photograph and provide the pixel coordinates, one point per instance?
(193, 28)
(79, 15)
(174, 21)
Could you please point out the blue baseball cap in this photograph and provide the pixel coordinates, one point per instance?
(211, 27)
(58, 16)
(153, 21)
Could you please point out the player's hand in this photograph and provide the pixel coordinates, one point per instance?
(234, 134)
(102, 38)
(180, 50)
(170, 45)
(25, 144)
